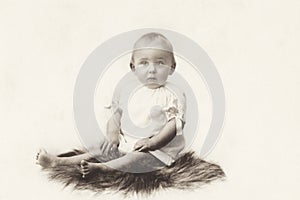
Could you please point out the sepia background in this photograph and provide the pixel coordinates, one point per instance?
(254, 45)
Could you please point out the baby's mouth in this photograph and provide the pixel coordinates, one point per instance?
(151, 79)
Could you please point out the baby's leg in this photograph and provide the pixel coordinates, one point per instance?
(48, 160)
(133, 162)
(105, 152)
(136, 162)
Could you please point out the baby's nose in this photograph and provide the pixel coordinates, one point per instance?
(152, 68)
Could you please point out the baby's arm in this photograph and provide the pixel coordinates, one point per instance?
(167, 133)
(113, 129)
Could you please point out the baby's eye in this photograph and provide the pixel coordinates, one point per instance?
(143, 63)
(160, 63)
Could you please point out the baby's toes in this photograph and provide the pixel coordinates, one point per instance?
(84, 164)
(37, 157)
(84, 168)
(84, 173)
(38, 154)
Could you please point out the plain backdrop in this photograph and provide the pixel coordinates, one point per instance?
(253, 43)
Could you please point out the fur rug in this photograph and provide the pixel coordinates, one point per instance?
(188, 172)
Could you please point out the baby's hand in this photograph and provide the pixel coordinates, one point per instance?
(113, 139)
(109, 150)
(142, 145)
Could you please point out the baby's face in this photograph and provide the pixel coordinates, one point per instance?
(152, 67)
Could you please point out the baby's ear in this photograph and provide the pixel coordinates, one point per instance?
(132, 67)
(172, 69)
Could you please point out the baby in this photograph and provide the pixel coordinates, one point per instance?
(156, 107)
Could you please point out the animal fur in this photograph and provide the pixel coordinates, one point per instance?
(188, 172)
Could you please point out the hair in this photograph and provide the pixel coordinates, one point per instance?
(156, 41)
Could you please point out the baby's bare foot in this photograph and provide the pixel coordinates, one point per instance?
(88, 167)
(46, 160)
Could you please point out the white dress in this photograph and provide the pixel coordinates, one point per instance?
(145, 112)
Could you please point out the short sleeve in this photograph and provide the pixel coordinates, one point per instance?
(176, 110)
